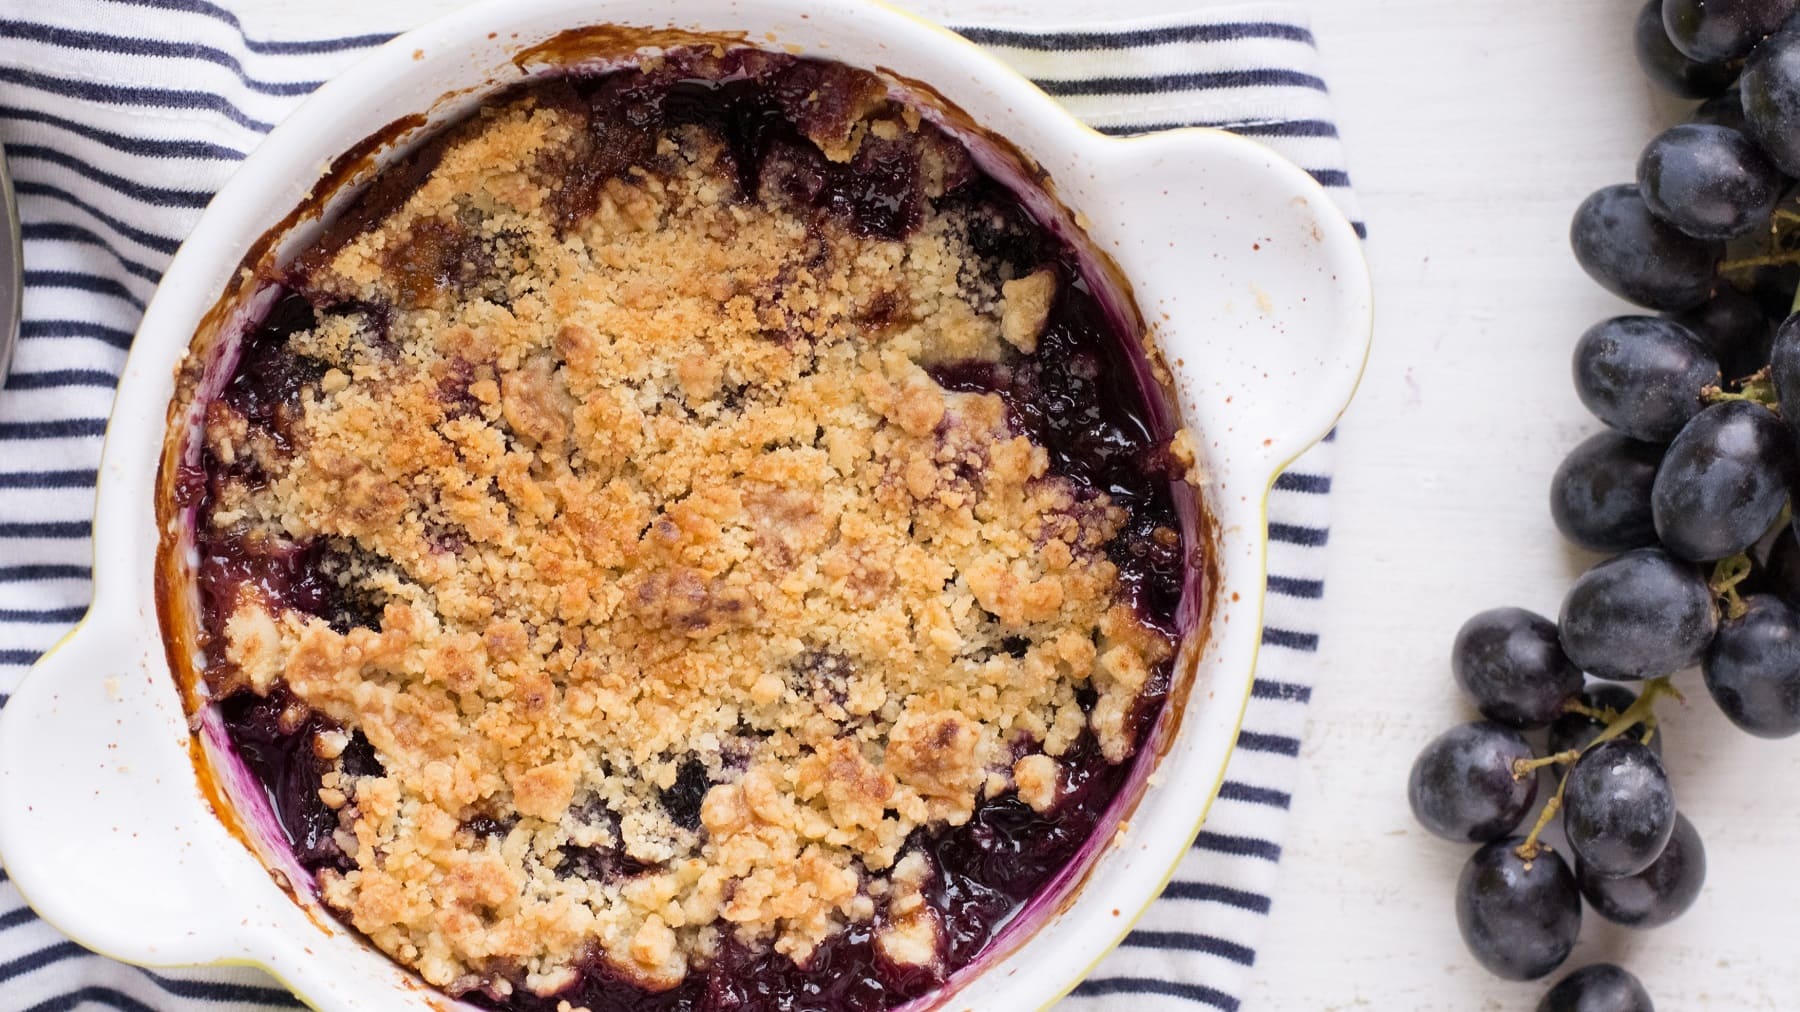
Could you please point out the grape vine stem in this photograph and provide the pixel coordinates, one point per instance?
(1758, 388)
(1604, 714)
(1751, 263)
(1726, 575)
(1641, 711)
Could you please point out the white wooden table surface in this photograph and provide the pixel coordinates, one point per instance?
(1474, 128)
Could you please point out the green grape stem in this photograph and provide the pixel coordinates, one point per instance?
(1641, 711)
(1758, 388)
(1523, 768)
(1604, 714)
(1752, 263)
(1726, 575)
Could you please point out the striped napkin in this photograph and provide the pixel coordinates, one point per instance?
(120, 118)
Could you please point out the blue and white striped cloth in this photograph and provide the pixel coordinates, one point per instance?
(121, 117)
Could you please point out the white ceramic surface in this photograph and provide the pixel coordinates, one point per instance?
(1255, 289)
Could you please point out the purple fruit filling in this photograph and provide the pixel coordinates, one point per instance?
(274, 736)
(1076, 397)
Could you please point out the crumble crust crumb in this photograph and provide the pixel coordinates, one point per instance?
(690, 594)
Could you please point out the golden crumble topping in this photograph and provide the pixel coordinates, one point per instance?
(689, 594)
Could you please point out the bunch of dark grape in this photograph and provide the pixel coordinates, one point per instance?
(1688, 490)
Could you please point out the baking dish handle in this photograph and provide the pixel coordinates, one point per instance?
(110, 856)
(1261, 293)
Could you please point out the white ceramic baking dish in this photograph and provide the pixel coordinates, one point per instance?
(1251, 283)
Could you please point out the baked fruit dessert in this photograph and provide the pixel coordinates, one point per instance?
(687, 538)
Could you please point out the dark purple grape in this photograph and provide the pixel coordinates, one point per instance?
(1773, 285)
(1509, 662)
(1723, 482)
(1576, 730)
(1601, 987)
(1600, 495)
(1709, 181)
(1784, 369)
(1753, 668)
(1726, 110)
(1618, 809)
(1658, 894)
(1716, 31)
(1640, 615)
(1780, 574)
(1462, 786)
(1519, 918)
(1638, 256)
(1770, 86)
(1734, 329)
(1670, 67)
(1643, 375)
